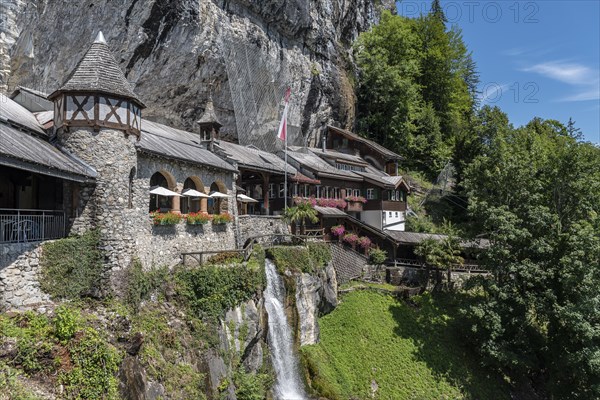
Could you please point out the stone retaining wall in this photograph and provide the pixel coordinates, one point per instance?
(256, 225)
(19, 276)
(163, 245)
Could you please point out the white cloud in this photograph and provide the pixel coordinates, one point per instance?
(585, 80)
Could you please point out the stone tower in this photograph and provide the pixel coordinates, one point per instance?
(97, 118)
(209, 125)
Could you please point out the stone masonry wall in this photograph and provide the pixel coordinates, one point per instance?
(19, 271)
(112, 154)
(348, 264)
(163, 245)
(256, 225)
(125, 227)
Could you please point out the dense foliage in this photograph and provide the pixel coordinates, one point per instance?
(535, 193)
(64, 348)
(300, 213)
(307, 259)
(375, 346)
(72, 267)
(417, 88)
(211, 290)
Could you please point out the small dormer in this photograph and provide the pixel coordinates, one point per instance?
(209, 123)
(97, 94)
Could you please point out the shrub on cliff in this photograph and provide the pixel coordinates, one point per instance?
(304, 259)
(72, 267)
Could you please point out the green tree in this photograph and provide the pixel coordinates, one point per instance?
(441, 253)
(417, 87)
(535, 192)
(573, 131)
(300, 213)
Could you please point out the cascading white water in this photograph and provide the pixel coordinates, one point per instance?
(287, 385)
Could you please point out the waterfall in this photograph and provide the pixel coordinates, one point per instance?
(288, 385)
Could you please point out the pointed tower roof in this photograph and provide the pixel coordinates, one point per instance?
(98, 71)
(209, 116)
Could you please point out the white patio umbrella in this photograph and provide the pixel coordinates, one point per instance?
(219, 195)
(246, 199)
(161, 191)
(194, 193)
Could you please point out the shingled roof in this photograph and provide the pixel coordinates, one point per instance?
(209, 116)
(98, 71)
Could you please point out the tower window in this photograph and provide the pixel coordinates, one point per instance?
(131, 180)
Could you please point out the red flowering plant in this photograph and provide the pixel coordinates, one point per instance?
(197, 218)
(364, 242)
(220, 219)
(168, 218)
(338, 230)
(334, 203)
(351, 239)
(356, 199)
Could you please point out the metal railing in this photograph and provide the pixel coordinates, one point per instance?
(23, 225)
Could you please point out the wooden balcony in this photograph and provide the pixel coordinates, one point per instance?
(354, 206)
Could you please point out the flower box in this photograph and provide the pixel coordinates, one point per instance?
(354, 206)
(168, 218)
(199, 218)
(338, 230)
(221, 219)
(351, 239)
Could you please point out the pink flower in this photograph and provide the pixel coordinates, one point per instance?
(338, 230)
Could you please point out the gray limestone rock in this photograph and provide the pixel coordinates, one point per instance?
(172, 49)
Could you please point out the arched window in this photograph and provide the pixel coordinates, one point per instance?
(215, 205)
(190, 204)
(131, 179)
(159, 203)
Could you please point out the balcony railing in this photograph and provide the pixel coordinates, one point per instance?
(21, 225)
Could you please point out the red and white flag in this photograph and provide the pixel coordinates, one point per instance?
(282, 132)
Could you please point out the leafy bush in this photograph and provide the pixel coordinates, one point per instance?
(66, 323)
(140, 284)
(320, 254)
(10, 385)
(251, 386)
(225, 258)
(210, 290)
(71, 267)
(85, 363)
(168, 218)
(199, 218)
(95, 365)
(377, 256)
(305, 259)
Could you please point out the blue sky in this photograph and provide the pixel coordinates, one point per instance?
(535, 58)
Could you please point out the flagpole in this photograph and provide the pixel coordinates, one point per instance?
(282, 134)
(285, 185)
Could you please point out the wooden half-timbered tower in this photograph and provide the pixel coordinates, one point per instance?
(97, 118)
(97, 94)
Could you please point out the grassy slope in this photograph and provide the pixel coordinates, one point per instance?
(411, 352)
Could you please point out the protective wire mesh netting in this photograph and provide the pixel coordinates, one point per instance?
(257, 81)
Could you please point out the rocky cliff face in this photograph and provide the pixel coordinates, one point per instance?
(177, 51)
